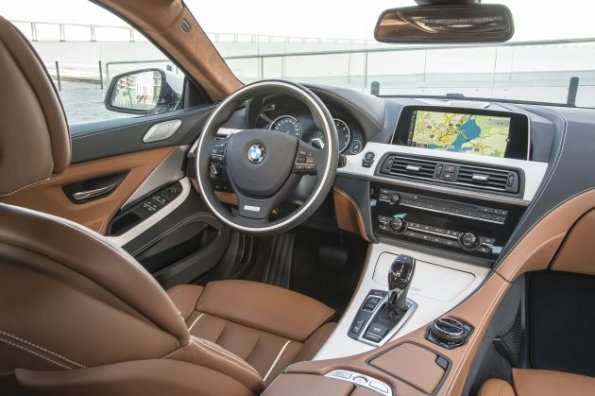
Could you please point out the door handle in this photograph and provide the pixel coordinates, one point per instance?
(84, 195)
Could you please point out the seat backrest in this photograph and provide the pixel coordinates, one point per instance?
(67, 298)
(34, 139)
(79, 315)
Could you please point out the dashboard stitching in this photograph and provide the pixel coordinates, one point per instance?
(540, 192)
(347, 101)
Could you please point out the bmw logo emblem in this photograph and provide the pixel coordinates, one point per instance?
(256, 153)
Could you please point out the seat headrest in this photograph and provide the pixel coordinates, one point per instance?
(34, 138)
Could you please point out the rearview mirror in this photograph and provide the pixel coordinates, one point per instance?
(448, 23)
(146, 91)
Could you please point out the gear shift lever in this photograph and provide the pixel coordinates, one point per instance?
(400, 275)
(378, 321)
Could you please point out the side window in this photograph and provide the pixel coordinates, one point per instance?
(102, 67)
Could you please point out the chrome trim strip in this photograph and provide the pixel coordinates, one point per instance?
(276, 360)
(168, 171)
(162, 131)
(362, 380)
(161, 214)
(453, 214)
(534, 171)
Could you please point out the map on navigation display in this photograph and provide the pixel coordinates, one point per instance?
(463, 133)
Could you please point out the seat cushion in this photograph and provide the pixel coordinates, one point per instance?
(551, 383)
(496, 387)
(267, 326)
(529, 382)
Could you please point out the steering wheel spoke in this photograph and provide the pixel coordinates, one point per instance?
(254, 208)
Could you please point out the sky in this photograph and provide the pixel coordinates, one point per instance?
(534, 19)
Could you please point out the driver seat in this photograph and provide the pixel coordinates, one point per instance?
(79, 315)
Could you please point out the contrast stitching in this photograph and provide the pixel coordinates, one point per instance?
(530, 254)
(195, 321)
(35, 353)
(541, 190)
(24, 187)
(350, 103)
(41, 348)
(276, 360)
(245, 366)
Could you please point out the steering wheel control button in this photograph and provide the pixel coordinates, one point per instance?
(218, 152)
(305, 163)
(448, 332)
(368, 160)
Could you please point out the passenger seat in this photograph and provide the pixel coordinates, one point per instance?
(529, 382)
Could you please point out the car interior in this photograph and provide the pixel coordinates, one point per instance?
(278, 238)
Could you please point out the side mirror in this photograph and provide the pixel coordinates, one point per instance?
(145, 91)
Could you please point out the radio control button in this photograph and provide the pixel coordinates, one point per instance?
(395, 198)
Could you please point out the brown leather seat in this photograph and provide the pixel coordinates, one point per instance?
(81, 316)
(528, 382)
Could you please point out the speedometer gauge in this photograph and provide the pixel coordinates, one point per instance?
(344, 134)
(288, 124)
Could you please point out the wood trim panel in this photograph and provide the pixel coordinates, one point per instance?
(49, 197)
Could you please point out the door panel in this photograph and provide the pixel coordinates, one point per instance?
(50, 197)
(107, 138)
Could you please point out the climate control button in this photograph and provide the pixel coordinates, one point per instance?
(398, 225)
(469, 240)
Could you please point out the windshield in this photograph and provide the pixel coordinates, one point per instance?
(331, 42)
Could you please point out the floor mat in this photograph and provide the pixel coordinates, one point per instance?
(562, 322)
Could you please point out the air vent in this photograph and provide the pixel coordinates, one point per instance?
(464, 175)
(399, 165)
(488, 178)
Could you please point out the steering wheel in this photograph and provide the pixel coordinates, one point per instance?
(263, 166)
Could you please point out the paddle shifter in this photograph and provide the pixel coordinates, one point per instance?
(400, 275)
(382, 314)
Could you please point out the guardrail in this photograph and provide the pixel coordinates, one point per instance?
(32, 31)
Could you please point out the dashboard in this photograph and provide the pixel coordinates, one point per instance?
(461, 178)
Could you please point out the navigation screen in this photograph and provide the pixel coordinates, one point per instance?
(462, 133)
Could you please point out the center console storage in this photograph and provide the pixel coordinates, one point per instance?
(406, 369)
